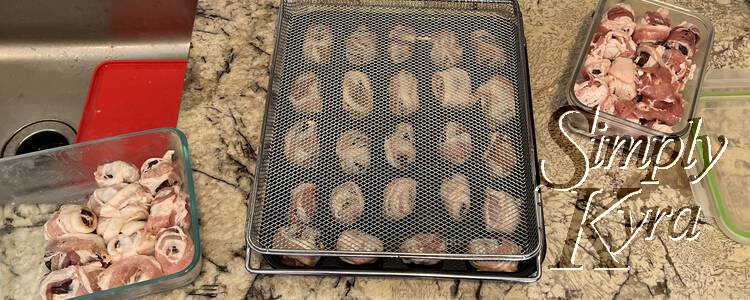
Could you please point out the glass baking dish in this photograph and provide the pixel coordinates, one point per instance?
(34, 185)
(724, 107)
(580, 123)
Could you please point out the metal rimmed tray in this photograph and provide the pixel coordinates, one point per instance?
(277, 177)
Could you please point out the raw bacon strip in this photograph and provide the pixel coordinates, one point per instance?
(684, 37)
(619, 18)
(75, 249)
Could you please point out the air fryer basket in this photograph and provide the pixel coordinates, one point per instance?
(276, 176)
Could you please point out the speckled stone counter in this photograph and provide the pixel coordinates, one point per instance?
(222, 112)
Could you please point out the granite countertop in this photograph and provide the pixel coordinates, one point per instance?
(222, 112)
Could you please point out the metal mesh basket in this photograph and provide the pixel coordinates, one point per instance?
(293, 111)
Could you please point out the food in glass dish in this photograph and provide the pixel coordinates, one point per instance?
(357, 92)
(303, 202)
(353, 151)
(301, 237)
(400, 151)
(452, 88)
(638, 71)
(301, 144)
(501, 211)
(131, 229)
(347, 203)
(398, 198)
(456, 196)
(357, 241)
(500, 157)
(498, 99)
(423, 243)
(487, 49)
(404, 99)
(494, 247)
(456, 146)
(305, 93)
(446, 50)
(317, 44)
(401, 43)
(361, 46)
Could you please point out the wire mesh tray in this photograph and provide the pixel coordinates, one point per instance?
(283, 171)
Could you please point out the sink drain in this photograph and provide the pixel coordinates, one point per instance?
(39, 136)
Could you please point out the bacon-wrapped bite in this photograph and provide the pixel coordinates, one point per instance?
(452, 88)
(456, 196)
(358, 241)
(116, 172)
(347, 203)
(357, 98)
(653, 27)
(500, 156)
(361, 46)
(127, 221)
(423, 243)
(129, 270)
(404, 99)
(648, 55)
(684, 38)
(494, 247)
(487, 49)
(502, 212)
(446, 50)
(158, 173)
(75, 249)
(620, 18)
(401, 43)
(170, 208)
(398, 198)
(70, 218)
(596, 67)
(305, 93)
(125, 245)
(303, 202)
(456, 146)
(593, 92)
(621, 79)
(400, 149)
(317, 44)
(301, 144)
(353, 151)
(131, 195)
(680, 66)
(612, 45)
(498, 98)
(301, 237)
(174, 249)
(69, 282)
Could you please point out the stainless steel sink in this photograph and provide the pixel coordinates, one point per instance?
(50, 48)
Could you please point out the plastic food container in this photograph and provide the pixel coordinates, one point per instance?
(34, 185)
(616, 125)
(724, 107)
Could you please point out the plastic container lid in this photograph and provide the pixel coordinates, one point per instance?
(725, 109)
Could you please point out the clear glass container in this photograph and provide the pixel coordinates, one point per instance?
(34, 185)
(724, 107)
(617, 126)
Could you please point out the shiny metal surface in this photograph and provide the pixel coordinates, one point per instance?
(278, 175)
(49, 50)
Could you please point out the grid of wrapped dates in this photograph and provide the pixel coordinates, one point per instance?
(134, 227)
(451, 89)
(637, 68)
